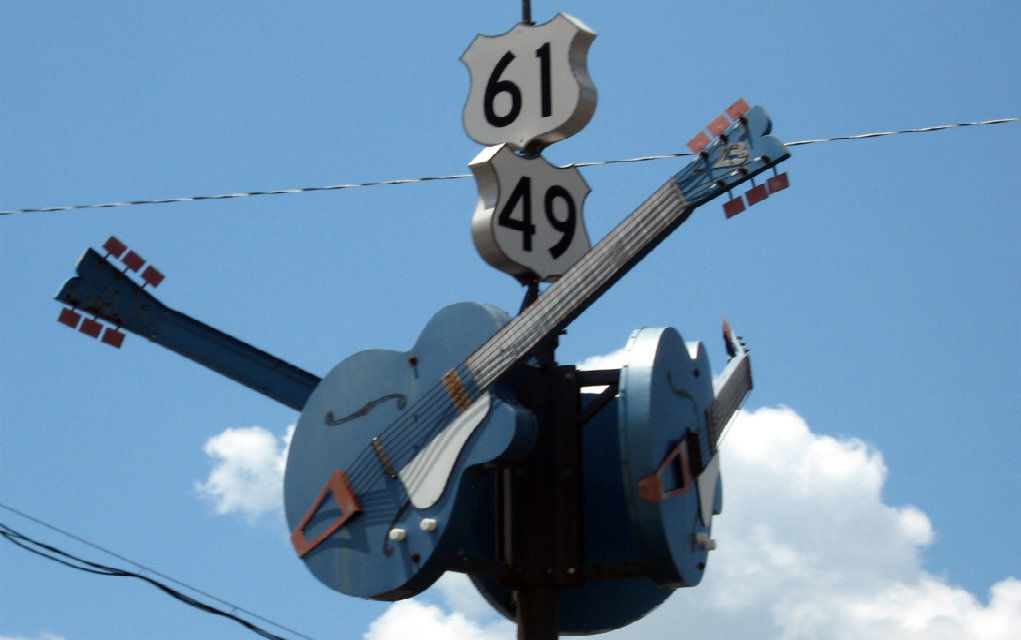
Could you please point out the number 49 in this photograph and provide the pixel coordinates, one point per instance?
(523, 193)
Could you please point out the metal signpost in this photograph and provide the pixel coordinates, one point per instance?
(474, 451)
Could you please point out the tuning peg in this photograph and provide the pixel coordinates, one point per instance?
(91, 328)
(756, 194)
(115, 247)
(738, 109)
(733, 207)
(718, 126)
(152, 276)
(69, 317)
(113, 337)
(133, 261)
(778, 182)
(699, 142)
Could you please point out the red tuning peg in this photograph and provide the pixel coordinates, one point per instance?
(733, 207)
(152, 276)
(778, 183)
(115, 247)
(718, 126)
(756, 194)
(133, 261)
(70, 317)
(113, 337)
(91, 328)
(738, 109)
(699, 142)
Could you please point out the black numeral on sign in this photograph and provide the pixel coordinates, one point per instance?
(523, 193)
(496, 86)
(565, 226)
(545, 80)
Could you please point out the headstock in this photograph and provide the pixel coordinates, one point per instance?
(742, 150)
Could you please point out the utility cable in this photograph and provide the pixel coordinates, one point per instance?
(336, 187)
(75, 562)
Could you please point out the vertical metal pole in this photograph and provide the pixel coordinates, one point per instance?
(541, 511)
(538, 613)
(526, 11)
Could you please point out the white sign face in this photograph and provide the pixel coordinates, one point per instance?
(530, 83)
(528, 221)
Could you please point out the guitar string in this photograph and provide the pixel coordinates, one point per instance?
(427, 411)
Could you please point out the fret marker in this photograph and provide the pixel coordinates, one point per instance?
(456, 389)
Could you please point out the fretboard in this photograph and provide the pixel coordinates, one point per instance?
(738, 154)
(737, 382)
(582, 284)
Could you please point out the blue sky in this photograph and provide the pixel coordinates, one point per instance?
(880, 294)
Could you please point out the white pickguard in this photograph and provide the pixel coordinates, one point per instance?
(426, 476)
(707, 489)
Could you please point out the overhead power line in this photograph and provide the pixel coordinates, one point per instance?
(337, 187)
(75, 562)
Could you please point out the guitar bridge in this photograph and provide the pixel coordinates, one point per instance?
(339, 487)
(384, 458)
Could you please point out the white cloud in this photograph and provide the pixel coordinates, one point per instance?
(248, 471)
(423, 621)
(807, 549)
(614, 360)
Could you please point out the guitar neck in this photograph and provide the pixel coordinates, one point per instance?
(735, 383)
(102, 290)
(582, 284)
(741, 152)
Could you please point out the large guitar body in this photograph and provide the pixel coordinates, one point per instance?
(376, 503)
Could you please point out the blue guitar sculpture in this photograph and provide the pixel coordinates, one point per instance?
(651, 484)
(381, 475)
